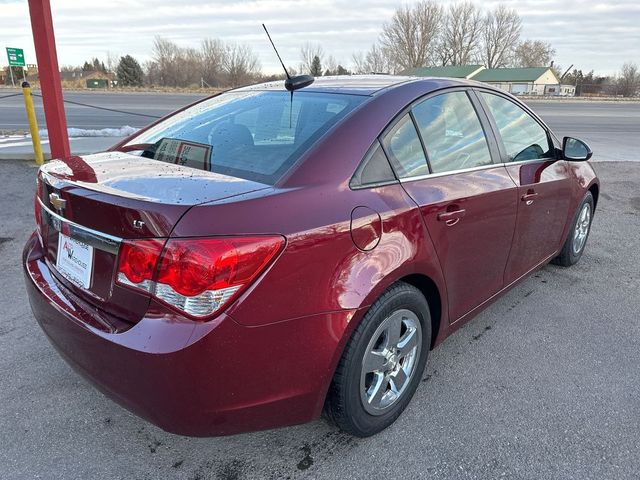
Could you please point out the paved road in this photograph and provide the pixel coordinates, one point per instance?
(543, 384)
(612, 129)
(12, 115)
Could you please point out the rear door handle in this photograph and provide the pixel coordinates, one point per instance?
(529, 197)
(451, 218)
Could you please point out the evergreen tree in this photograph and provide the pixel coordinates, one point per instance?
(316, 67)
(129, 72)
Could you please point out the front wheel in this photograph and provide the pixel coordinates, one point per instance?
(577, 238)
(382, 364)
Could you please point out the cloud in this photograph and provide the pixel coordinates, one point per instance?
(589, 34)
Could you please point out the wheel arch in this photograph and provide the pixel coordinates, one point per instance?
(429, 289)
(595, 192)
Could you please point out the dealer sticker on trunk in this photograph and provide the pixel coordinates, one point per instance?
(75, 260)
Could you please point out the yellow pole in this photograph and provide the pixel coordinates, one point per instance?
(33, 122)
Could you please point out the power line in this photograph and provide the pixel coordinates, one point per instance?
(12, 95)
(105, 108)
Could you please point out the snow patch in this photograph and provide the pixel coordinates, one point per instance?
(104, 132)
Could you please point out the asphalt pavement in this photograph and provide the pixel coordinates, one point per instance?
(544, 384)
(144, 106)
(612, 129)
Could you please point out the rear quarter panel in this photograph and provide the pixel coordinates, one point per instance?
(321, 269)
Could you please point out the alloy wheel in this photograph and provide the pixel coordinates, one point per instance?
(582, 228)
(390, 361)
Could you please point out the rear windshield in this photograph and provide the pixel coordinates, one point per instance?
(256, 135)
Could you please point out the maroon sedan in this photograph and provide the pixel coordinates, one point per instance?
(262, 256)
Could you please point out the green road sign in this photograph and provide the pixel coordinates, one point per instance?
(16, 57)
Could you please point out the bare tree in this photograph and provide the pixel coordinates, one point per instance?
(174, 66)
(461, 35)
(330, 65)
(376, 60)
(629, 80)
(501, 34)
(189, 67)
(212, 53)
(113, 59)
(241, 64)
(412, 34)
(533, 53)
(163, 67)
(359, 62)
(307, 53)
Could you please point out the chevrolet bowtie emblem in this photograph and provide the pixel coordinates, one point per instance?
(57, 202)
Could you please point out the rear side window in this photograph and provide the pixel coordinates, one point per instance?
(523, 137)
(452, 133)
(256, 135)
(374, 169)
(403, 146)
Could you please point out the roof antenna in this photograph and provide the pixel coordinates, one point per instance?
(291, 83)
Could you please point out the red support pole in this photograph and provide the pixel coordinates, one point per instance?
(45, 43)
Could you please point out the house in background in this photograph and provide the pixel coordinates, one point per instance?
(451, 71)
(561, 90)
(518, 81)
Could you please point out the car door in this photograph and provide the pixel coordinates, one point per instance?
(544, 186)
(443, 158)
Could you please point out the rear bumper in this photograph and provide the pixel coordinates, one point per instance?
(216, 378)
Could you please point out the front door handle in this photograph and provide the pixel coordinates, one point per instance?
(529, 197)
(451, 218)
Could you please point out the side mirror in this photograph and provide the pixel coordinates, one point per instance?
(575, 150)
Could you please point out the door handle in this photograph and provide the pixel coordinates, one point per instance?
(529, 197)
(451, 218)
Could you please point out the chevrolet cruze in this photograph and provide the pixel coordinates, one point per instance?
(268, 254)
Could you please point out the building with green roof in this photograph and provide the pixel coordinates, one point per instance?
(522, 81)
(519, 81)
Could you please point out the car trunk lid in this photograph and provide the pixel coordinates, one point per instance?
(100, 200)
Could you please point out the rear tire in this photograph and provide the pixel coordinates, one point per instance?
(578, 233)
(382, 364)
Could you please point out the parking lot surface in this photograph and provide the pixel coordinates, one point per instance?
(543, 384)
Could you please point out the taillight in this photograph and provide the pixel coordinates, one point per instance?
(137, 262)
(196, 276)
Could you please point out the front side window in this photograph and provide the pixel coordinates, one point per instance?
(256, 135)
(403, 146)
(523, 137)
(452, 133)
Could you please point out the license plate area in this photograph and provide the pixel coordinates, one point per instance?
(74, 261)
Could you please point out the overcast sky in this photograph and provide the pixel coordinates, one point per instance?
(591, 34)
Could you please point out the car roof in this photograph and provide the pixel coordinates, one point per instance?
(355, 84)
